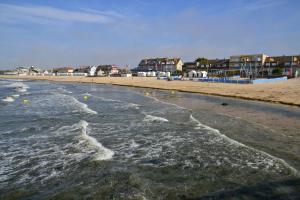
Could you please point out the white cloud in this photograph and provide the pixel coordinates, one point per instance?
(10, 13)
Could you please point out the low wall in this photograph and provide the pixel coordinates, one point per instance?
(269, 80)
(225, 80)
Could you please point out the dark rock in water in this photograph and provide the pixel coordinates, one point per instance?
(224, 104)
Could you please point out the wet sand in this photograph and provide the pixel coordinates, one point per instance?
(283, 92)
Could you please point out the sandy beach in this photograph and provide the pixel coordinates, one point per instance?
(284, 92)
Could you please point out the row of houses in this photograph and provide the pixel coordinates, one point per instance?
(252, 65)
(100, 70)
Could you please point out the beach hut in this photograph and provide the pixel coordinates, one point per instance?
(161, 74)
(193, 74)
(142, 74)
(126, 75)
(204, 74)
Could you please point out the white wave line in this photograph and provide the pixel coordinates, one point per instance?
(232, 141)
(104, 153)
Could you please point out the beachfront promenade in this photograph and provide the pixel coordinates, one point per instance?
(284, 92)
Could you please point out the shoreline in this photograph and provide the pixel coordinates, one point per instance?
(285, 92)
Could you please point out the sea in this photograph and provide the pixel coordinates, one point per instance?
(98, 141)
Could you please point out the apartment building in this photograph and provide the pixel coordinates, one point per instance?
(283, 65)
(160, 64)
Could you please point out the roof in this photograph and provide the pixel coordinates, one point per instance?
(283, 58)
(159, 61)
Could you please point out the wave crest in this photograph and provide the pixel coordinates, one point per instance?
(103, 153)
(151, 118)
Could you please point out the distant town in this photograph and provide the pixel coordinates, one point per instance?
(253, 66)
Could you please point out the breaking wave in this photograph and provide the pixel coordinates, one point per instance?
(19, 86)
(236, 143)
(151, 118)
(84, 106)
(8, 99)
(103, 153)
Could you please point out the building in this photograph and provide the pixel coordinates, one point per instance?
(190, 66)
(251, 65)
(82, 69)
(107, 69)
(33, 71)
(160, 64)
(22, 71)
(64, 71)
(282, 65)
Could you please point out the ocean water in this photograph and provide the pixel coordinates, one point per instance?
(79, 141)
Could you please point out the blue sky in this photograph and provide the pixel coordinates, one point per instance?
(79, 32)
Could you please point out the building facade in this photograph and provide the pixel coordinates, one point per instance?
(251, 65)
(283, 65)
(108, 69)
(160, 64)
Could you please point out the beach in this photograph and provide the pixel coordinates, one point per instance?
(283, 92)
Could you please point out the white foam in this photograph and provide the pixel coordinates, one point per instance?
(133, 105)
(167, 103)
(103, 152)
(64, 90)
(82, 106)
(19, 86)
(134, 144)
(151, 118)
(8, 99)
(106, 99)
(234, 142)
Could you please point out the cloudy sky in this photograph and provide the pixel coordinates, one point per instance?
(79, 32)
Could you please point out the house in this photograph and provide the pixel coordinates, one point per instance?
(283, 65)
(82, 69)
(9, 72)
(125, 72)
(33, 71)
(160, 64)
(22, 71)
(108, 69)
(64, 71)
(189, 66)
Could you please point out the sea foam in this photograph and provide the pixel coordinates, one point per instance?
(19, 86)
(82, 106)
(8, 99)
(151, 118)
(103, 153)
(236, 143)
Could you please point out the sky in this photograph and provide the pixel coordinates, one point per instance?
(54, 33)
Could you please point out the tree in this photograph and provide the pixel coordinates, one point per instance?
(277, 72)
(201, 60)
